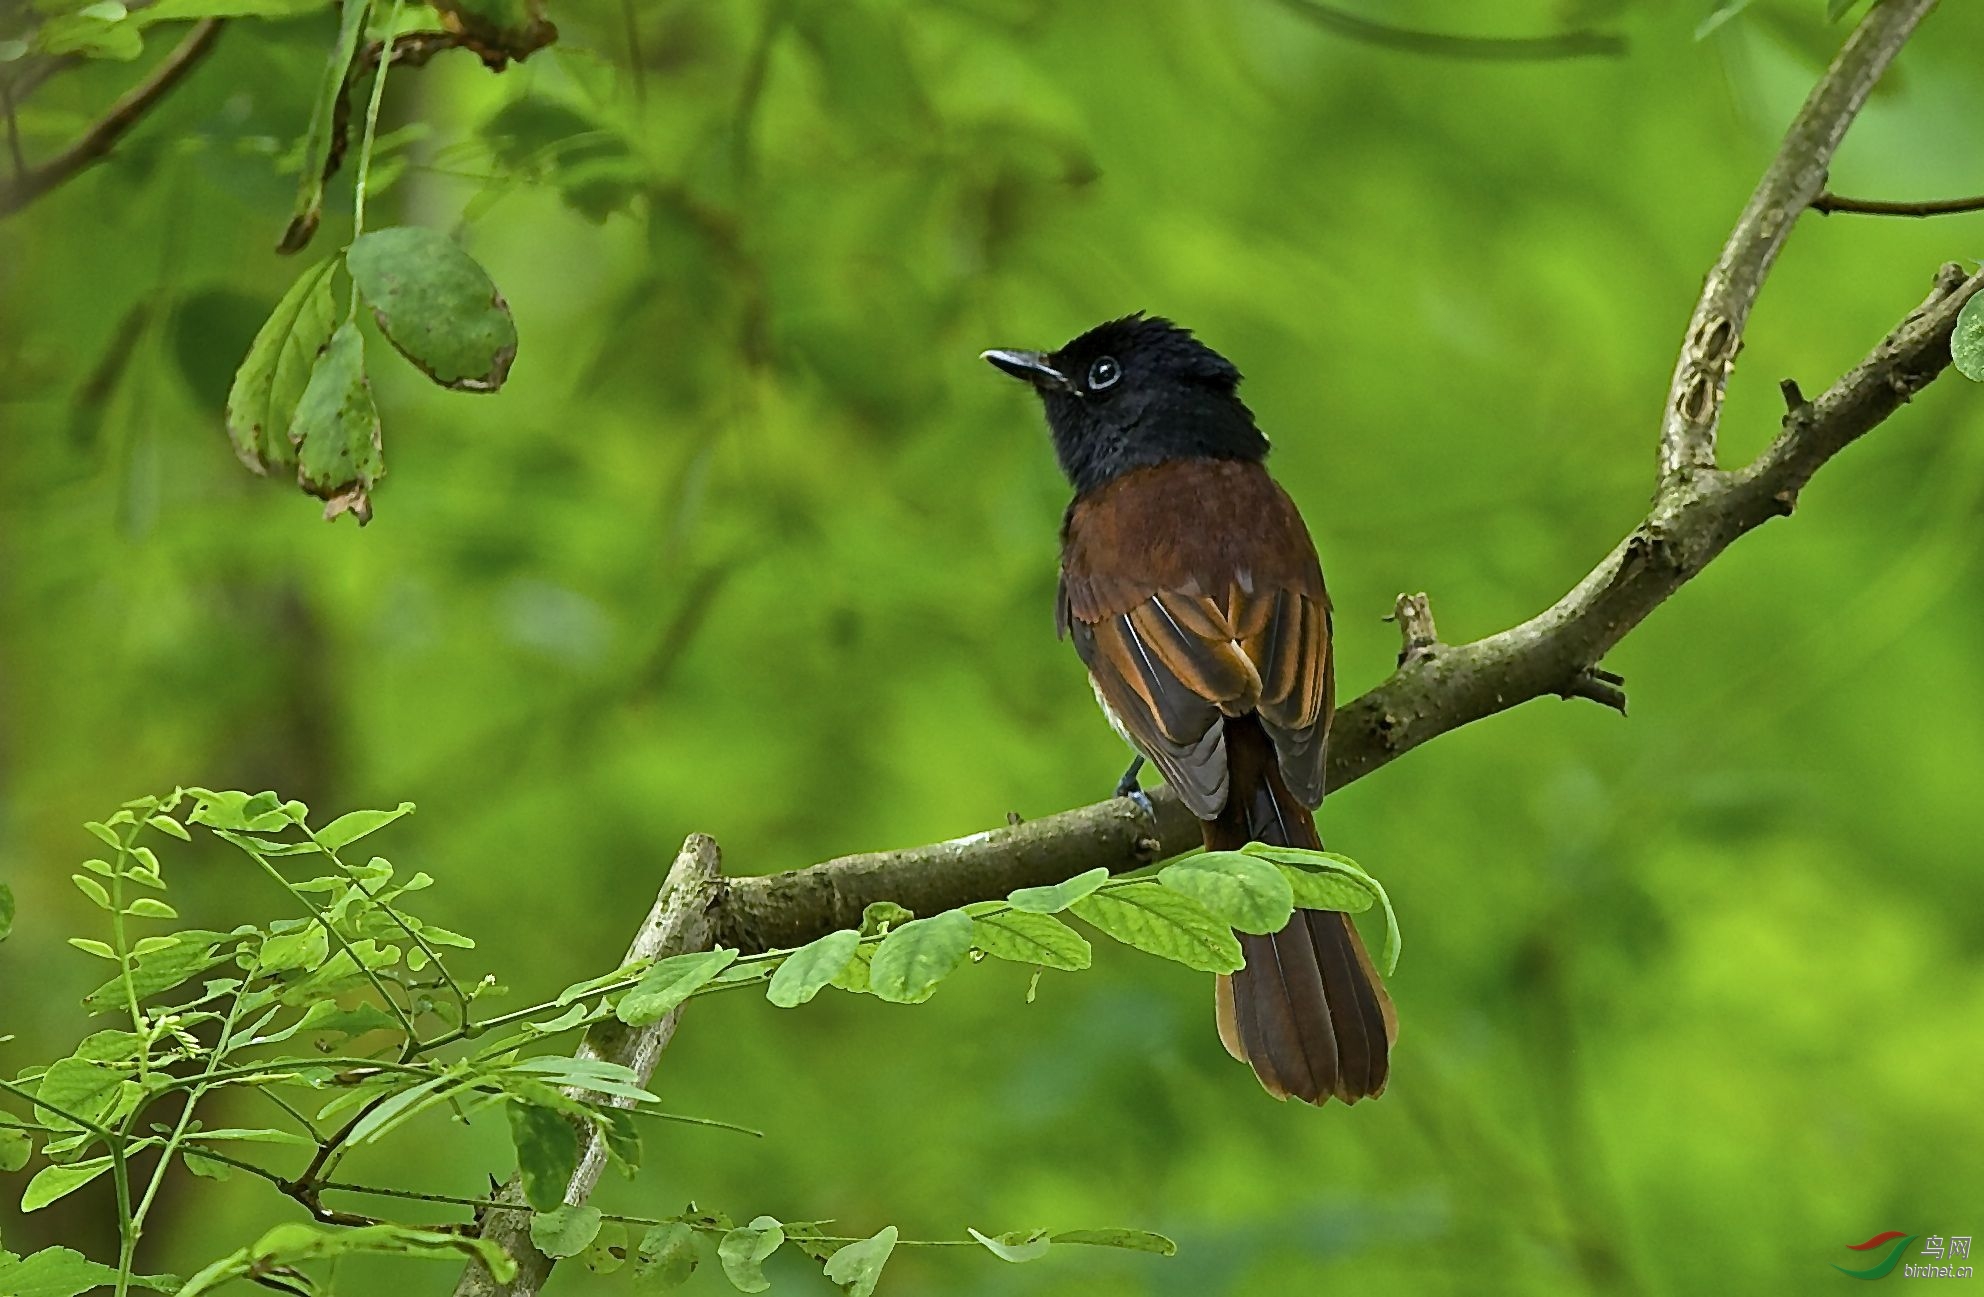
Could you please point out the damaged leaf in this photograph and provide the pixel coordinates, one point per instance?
(437, 305)
(339, 454)
(271, 379)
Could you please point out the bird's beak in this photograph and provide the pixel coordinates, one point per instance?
(1032, 366)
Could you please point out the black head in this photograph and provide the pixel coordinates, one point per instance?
(1134, 392)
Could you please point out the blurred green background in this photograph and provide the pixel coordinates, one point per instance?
(753, 544)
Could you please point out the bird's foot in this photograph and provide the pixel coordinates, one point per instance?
(1127, 787)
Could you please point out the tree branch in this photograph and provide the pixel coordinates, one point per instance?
(1794, 179)
(1827, 203)
(1490, 49)
(1697, 512)
(100, 138)
(678, 922)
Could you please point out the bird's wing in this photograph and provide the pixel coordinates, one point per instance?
(1173, 664)
(1193, 593)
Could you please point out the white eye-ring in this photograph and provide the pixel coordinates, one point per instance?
(1104, 373)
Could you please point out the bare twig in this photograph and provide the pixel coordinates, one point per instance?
(679, 921)
(1827, 203)
(1575, 44)
(100, 138)
(1794, 179)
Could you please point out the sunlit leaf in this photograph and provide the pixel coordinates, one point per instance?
(350, 827)
(1155, 919)
(913, 958)
(664, 1258)
(1967, 343)
(857, 1267)
(1244, 891)
(1016, 1244)
(744, 1250)
(1030, 939)
(52, 1182)
(670, 982)
(547, 1153)
(814, 965)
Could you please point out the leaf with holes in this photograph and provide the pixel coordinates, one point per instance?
(339, 453)
(436, 304)
(744, 1251)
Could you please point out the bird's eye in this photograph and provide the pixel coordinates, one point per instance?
(1104, 373)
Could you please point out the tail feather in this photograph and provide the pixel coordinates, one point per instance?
(1308, 1011)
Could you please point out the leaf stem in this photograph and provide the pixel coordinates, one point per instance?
(364, 169)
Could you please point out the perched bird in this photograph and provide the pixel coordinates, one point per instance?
(1194, 596)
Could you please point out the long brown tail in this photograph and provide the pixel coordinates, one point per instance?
(1308, 1012)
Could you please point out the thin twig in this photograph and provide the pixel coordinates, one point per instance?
(1828, 203)
(1793, 180)
(1575, 44)
(100, 138)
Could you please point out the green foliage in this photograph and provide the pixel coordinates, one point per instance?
(353, 1009)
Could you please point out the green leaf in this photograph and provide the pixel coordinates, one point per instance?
(309, 208)
(1155, 919)
(596, 1074)
(1017, 1244)
(1330, 863)
(1316, 889)
(295, 1243)
(1838, 9)
(91, 888)
(91, 946)
(547, 1153)
(339, 451)
(668, 983)
(913, 958)
(165, 823)
(608, 1250)
(52, 1182)
(1135, 1240)
(65, 1272)
(1051, 900)
(150, 907)
(304, 948)
(6, 910)
(436, 304)
(1244, 891)
(271, 379)
(1967, 343)
(349, 828)
(565, 1232)
(15, 1146)
(854, 977)
(186, 10)
(665, 1258)
(878, 917)
(1028, 938)
(192, 953)
(806, 970)
(857, 1267)
(744, 1251)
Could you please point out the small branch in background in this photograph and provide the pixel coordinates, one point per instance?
(13, 132)
(1419, 637)
(1827, 203)
(680, 921)
(1575, 44)
(1795, 177)
(100, 138)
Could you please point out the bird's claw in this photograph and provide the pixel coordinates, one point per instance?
(1127, 787)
